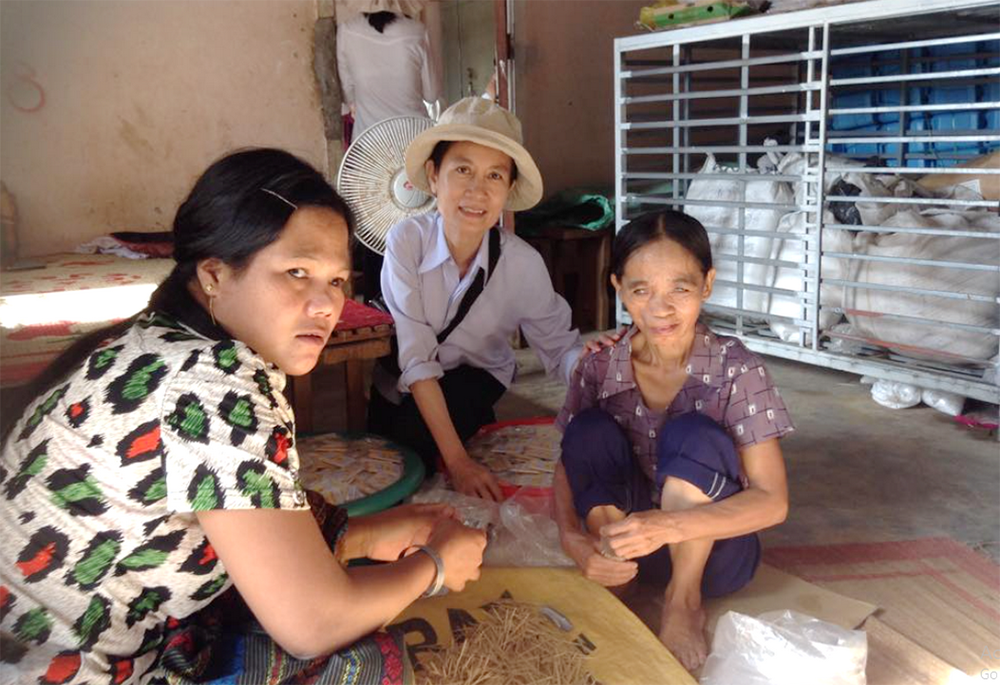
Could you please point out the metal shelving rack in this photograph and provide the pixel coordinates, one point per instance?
(723, 88)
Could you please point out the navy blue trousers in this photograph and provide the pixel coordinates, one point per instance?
(602, 470)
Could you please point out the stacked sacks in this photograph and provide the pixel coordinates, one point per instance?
(794, 249)
(936, 341)
(725, 247)
(933, 340)
(787, 278)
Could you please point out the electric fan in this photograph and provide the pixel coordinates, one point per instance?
(373, 182)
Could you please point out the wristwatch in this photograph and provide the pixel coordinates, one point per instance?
(435, 587)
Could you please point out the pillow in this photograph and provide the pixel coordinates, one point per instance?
(156, 244)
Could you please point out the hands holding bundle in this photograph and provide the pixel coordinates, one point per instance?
(402, 530)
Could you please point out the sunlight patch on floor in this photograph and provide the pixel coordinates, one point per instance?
(78, 306)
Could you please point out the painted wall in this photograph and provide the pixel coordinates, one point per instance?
(564, 85)
(110, 109)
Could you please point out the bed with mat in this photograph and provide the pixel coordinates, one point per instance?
(46, 303)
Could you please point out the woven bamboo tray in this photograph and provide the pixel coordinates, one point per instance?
(521, 453)
(363, 473)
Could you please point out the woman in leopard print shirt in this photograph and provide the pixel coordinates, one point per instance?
(156, 467)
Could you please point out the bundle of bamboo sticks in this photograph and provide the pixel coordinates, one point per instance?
(514, 645)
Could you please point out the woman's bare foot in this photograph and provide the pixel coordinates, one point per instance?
(682, 631)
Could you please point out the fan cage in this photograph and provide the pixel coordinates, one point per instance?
(367, 174)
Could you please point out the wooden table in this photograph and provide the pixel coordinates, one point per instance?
(362, 333)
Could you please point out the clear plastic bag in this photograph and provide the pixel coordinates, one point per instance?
(527, 534)
(521, 530)
(840, 345)
(473, 511)
(784, 648)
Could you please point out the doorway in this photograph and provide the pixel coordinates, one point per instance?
(469, 47)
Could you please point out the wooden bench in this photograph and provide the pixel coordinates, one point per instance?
(362, 333)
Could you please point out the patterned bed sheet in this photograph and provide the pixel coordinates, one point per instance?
(43, 310)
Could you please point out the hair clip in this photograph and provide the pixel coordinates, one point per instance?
(271, 192)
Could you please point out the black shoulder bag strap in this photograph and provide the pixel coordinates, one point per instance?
(390, 362)
(493, 255)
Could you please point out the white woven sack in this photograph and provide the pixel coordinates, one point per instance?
(938, 342)
(726, 245)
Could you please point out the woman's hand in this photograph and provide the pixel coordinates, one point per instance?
(606, 339)
(585, 551)
(470, 478)
(389, 533)
(641, 533)
(461, 551)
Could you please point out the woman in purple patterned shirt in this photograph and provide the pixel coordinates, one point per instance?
(670, 457)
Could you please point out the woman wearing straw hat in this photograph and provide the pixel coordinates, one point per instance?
(384, 62)
(458, 288)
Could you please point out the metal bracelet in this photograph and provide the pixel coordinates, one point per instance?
(435, 587)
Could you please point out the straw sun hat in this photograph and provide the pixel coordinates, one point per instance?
(478, 120)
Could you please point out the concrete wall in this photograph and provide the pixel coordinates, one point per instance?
(111, 109)
(564, 85)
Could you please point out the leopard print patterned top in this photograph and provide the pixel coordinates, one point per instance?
(99, 482)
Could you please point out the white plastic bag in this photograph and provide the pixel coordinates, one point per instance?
(784, 648)
(795, 164)
(948, 402)
(766, 191)
(895, 395)
(793, 250)
(915, 338)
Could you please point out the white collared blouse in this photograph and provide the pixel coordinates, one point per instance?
(422, 287)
